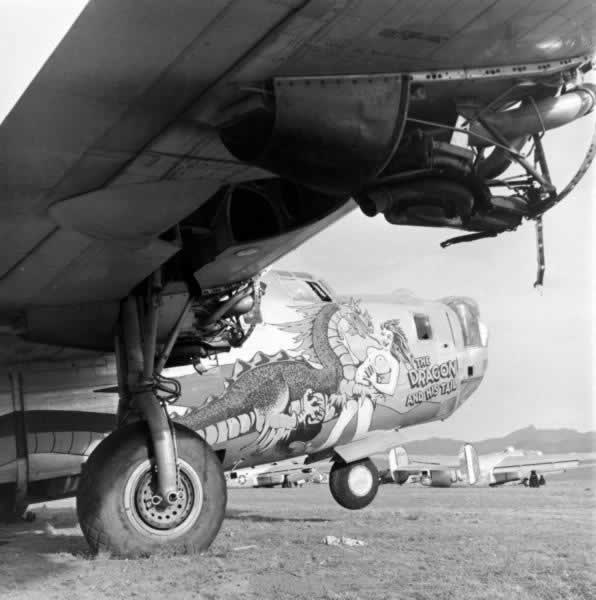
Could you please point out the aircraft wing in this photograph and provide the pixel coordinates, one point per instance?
(100, 157)
(418, 464)
(543, 464)
(114, 145)
(415, 464)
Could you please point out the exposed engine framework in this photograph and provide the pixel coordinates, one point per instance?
(222, 318)
(386, 139)
(515, 119)
(535, 190)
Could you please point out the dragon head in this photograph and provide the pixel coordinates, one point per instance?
(358, 318)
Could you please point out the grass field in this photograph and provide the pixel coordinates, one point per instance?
(458, 543)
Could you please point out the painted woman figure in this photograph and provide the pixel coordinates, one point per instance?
(377, 375)
(380, 370)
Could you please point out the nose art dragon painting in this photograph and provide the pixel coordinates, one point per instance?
(303, 399)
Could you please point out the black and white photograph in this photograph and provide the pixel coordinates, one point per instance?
(297, 299)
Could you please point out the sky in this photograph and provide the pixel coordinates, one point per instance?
(541, 363)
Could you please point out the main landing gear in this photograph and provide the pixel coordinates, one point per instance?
(354, 485)
(151, 483)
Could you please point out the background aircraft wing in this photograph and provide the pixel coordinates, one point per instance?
(416, 464)
(433, 462)
(417, 467)
(543, 464)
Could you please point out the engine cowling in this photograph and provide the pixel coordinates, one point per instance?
(328, 133)
(441, 479)
(400, 477)
(442, 202)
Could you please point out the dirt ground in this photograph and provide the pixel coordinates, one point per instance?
(462, 543)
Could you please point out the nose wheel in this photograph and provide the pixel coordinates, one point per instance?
(119, 507)
(354, 485)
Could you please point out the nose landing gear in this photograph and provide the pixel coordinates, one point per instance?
(354, 485)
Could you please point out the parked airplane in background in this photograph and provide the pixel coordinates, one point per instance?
(318, 377)
(496, 468)
(245, 478)
(287, 473)
(166, 154)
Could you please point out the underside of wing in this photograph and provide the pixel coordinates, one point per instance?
(204, 141)
(416, 465)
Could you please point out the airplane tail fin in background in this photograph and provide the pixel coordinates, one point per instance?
(398, 457)
(468, 459)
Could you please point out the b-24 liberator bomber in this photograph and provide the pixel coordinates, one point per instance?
(165, 154)
(321, 377)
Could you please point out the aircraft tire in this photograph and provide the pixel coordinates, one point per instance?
(354, 485)
(10, 510)
(114, 496)
(6, 506)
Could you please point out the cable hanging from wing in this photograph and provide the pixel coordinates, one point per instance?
(541, 208)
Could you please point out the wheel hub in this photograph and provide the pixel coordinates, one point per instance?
(360, 481)
(150, 514)
(162, 515)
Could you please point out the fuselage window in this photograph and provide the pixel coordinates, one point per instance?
(423, 328)
(474, 333)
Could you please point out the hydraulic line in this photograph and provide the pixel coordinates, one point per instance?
(542, 207)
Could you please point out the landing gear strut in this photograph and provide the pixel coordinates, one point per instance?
(150, 483)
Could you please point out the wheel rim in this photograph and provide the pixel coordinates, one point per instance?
(163, 520)
(360, 480)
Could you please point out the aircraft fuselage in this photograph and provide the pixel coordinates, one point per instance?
(317, 376)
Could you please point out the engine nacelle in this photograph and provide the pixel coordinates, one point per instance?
(442, 478)
(328, 133)
(401, 477)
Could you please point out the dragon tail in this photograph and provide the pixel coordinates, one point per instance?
(228, 429)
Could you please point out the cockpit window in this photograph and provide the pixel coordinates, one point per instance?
(423, 328)
(317, 288)
(469, 324)
(304, 291)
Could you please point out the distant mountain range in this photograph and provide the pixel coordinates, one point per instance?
(549, 441)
